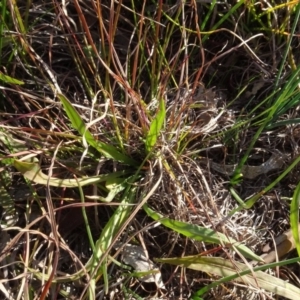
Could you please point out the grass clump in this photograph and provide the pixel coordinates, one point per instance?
(149, 150)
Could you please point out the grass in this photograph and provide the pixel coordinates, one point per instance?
(128, 134)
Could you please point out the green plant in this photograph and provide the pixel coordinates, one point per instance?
(143, 113)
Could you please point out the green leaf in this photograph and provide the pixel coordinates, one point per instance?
(110, 230)
(294, 217)
(156, 126)
(234, 271)
(32, 171)
(78, 124)
(114, 187)
(8, 79)
(201, 233)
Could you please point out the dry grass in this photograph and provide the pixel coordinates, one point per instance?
(226, 75)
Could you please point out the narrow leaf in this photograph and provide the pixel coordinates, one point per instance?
(235, 271)
(201, 233)
(32, 171)
(156, 126)
(294, 217)
(8, 79)
(78, 124)
(109, 232)
(115, 186)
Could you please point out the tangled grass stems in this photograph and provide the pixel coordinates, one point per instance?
(113, 105)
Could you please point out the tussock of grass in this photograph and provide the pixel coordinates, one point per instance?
(117, 114)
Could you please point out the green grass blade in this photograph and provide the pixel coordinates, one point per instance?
(109, 231)
(260, 268)
(156, 126)
(294, 217)
(33, 172)
(224, 18)
(235, 271)
(208, 15)
(2, 23)
(85, 218)
(277, 108)
(284, 123)
(288, 46)
(78, 124)
(200, 233)
(250, 202)
(114, 186)
(8, 79)
(19, 19)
